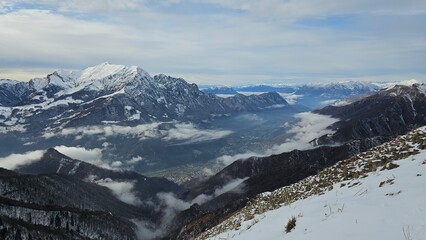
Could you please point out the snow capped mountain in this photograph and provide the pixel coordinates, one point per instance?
(220, 90)
(312, 95)
(109, 92)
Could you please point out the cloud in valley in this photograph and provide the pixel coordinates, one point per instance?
(306, 128)
(122, 190)
(81, 153)
(187, 132)
(90, 155)
(14, 161)
(173, 205)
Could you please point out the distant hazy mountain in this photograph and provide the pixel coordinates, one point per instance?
(219, 90)
(312, 95)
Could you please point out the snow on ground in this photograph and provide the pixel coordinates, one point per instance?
(382, 196)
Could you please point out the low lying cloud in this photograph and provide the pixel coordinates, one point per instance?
(336, 102)
(81, 153)
(306, 128)
(14, 161)
(235, 185)
(93, 156)
(141, 131)
(291, 98)
(135, 160)
(173, 205)
(250, 117)
(225, 160)
(167, 131)
(122, 190)
(188, 131)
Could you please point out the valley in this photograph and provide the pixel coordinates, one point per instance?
(169, 161)
(212, 120)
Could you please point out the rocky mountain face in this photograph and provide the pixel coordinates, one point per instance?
(364, 124)
(113, 93)
(387, 113)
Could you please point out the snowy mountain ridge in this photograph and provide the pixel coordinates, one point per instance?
(114, 93)
(383, 187)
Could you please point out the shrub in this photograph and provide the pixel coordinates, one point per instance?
(290, 224)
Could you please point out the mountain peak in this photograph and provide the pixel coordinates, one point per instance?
(54, 154)
(100, 71)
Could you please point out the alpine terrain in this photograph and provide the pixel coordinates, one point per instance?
(110, 152)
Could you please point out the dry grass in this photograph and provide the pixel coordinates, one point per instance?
(290, 224)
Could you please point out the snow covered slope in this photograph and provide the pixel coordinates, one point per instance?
(379, 194)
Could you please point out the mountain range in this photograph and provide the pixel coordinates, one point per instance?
(112, 93)
(48, 195)
(313, 95)
(370, 122)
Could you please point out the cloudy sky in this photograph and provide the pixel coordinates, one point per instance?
(219, 41)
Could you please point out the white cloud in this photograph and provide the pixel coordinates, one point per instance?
(97, 6)
(269, 40)
(14, 161)
(188, 132)
(233, 186)
(116, 164)
(307, 127)
(81, 153)
(171, 205)
(93, 156)
(122, 190)
(293, 10)
(225, 160)
(135, 160)
(290, 97)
